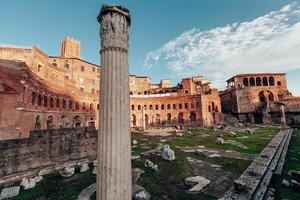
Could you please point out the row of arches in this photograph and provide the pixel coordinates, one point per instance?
(165, 106)
(50, 102)
(62, 122)
(154, 92)
(258, 81)
(156, 120)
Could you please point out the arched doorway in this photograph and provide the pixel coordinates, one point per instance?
(157, 119)
(262, 97)
(77, 121)
(133, 120)
(169, 118)
(50, 122)
(180, 118)
(192, 117)
(271, 96)
(146, 119)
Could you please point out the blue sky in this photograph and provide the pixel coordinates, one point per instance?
(170, 38)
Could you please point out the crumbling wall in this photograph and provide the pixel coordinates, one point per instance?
(46, 148)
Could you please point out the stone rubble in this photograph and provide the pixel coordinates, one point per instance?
(151, 165)
(198, 183)
(28, 183)
(140, 193)
(67, 172)
(84, 167)
(9, 192)
(168, 153)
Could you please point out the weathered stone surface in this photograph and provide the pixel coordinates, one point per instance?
(232, 133)
(295, 184)
(136, 173)
(198, 183)
(28, 183)
(9, 192)
(83, 166)
(134, 142)
(285, 183)
(140, 193)
(114, 148)
(220, 140)
(168, 153)
(87, 192)
(151, 165)
(67, 171)
(295, 174)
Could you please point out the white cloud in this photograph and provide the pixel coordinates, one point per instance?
(270, 43)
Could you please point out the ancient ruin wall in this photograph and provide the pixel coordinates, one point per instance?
(47, 148)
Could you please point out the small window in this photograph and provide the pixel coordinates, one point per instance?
(81, 89)
(180, 106)
(186, 91)
(150, 107)
(82, 68)
(94, 69)
(139, 107)
(162, 106)
(186, 106)
(93, 91)
(98, 70)
(54, 64)
(39, 68)
(156, 107)
(174, 106)
(67, 65)
(132, 107)
(168, 106)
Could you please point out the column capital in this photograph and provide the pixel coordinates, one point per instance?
(115, 21)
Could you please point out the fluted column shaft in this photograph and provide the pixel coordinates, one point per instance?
(114, 152)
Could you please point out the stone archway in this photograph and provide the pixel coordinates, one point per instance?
(180, 118)
(77, 121)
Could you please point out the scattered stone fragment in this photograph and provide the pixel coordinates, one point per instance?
(9, 192)
(232, 133)
(214, 155)
(44, 172)
(285, 183)
(220, 140)
(136, 174)
(28, 183)
(250, 131)
(83, 166)
(163, 140)
(295, 174)
(67, 172)
(198, 183)
(134, 142)
(179, 134)
(295, 184)
(94, 170)
(135, 158)
(168, 153)
(151, 165)
(139, 193)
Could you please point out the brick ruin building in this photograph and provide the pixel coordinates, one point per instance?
(260, 98)
(39, 92)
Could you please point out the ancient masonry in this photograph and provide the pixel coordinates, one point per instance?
(114, 152)
(254, 182)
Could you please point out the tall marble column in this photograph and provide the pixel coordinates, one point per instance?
(114, 152)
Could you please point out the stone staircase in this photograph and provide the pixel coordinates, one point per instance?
(254, 182)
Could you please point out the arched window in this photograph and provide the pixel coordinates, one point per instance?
(186, 106)
(180, 106)
(51, 102)
(64, 104)
(258, 81)
(279, 83)
(57, 103)
(174, 106)
(139, 107)
(162, 106)
(246, 82)
(98, 106)
(91, 107)
(271, 81)
(168, 106)
(157, 119)
(145, 107)
(77, 106)
(151, 107)
(83, 106)
(70, 104)
(131, 93)
(252, 81)
(132, 107)
(166, 91)
(156, 107)
(45, 101)
(33, 96)
(265, 81)
(39, 100)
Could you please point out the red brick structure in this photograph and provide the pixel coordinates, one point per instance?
(257, 97)
(38, 91)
